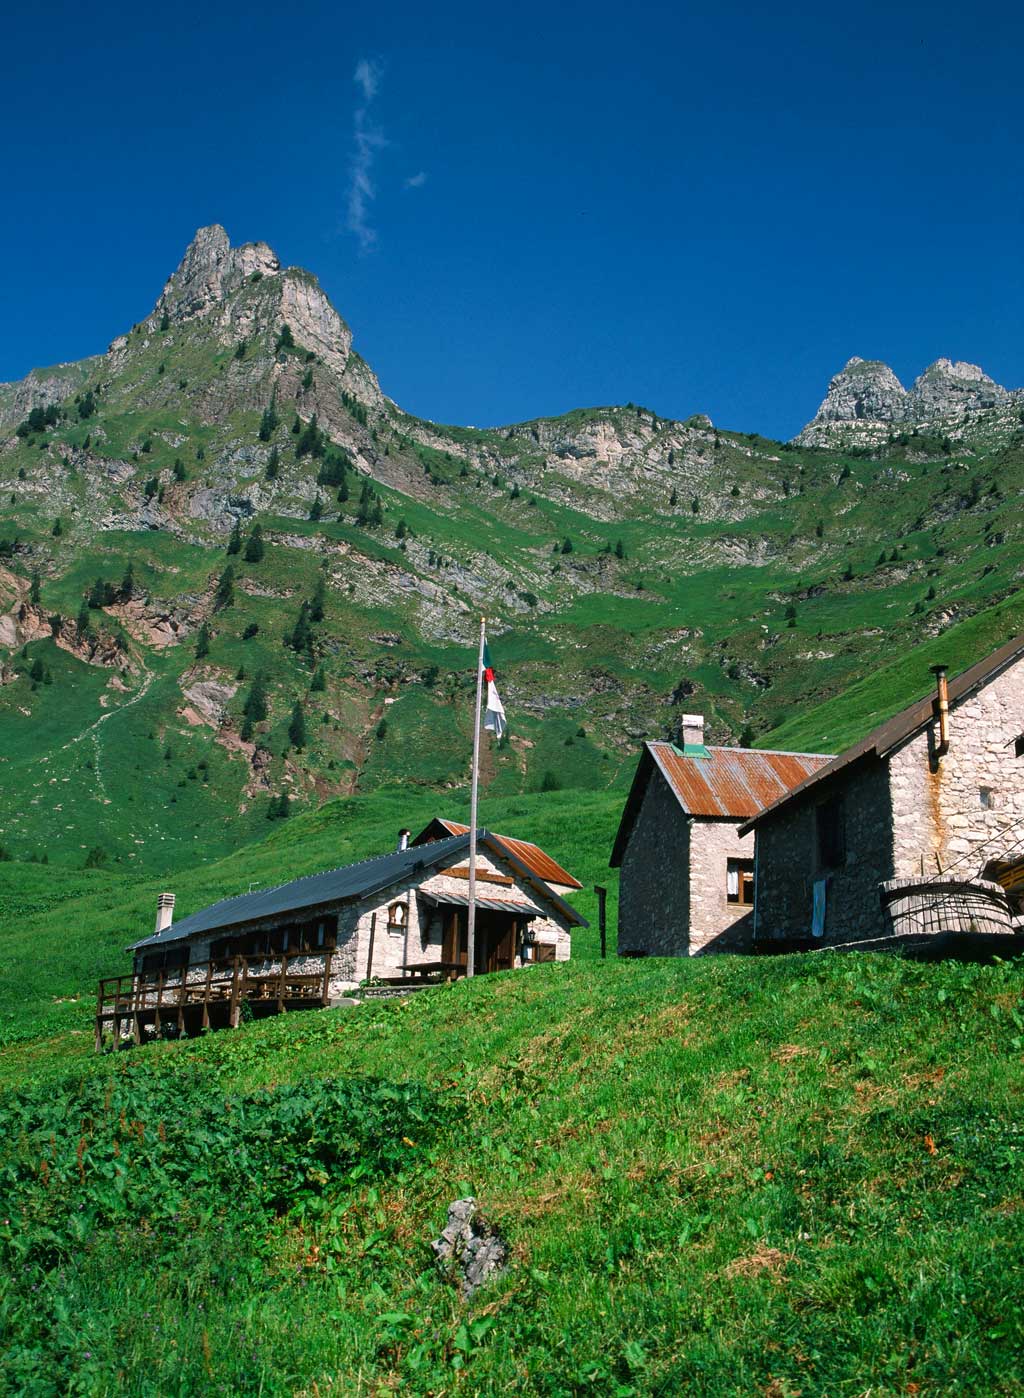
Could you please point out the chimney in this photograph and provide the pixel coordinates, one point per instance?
(942, 696)
(693, 733)
(403, 839)
(164, 911)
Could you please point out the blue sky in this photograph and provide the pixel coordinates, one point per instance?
(701, 209)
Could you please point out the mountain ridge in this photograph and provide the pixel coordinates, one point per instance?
(632, 566)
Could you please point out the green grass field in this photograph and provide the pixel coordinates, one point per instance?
(800, 1175)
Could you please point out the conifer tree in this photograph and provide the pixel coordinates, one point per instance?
(203, 642)
(319, 600)
(83, 622)
(254, 545)
(316, 510)
(255, 708)
(273, 464)
(297, 727)
(33, 591)
(225, 594)
(319, 681)
(235, 540)
(269, 421)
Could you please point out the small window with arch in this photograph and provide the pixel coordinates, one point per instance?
(398, 917)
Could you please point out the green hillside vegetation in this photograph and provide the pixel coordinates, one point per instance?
(715, 1176)
(632, 568)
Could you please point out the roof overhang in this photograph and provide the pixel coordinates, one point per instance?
(493, 905)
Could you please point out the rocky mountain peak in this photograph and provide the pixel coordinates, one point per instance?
(863, 390)
(946, 387)
(210, 270)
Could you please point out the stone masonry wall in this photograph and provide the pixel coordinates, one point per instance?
(937, 803)
(715, 923)
(422, 938)
(654, 888)
(788, 863)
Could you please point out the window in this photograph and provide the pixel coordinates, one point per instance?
(985, 798)
(398, 914)
(831, 825)
(739, 881)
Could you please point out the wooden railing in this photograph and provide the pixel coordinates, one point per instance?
(192, 997)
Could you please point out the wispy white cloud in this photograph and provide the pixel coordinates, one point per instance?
(416, 181)
(367, 140)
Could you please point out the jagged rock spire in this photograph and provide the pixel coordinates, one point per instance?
(209, 270)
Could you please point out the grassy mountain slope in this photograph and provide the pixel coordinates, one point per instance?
(632, 568)
(796, 1176)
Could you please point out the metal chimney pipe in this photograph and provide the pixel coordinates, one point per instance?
(942, 686)
(403, 839)
(164, 911)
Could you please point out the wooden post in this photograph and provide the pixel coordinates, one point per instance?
(282, 982)
(206, 995)
(602, 895)
(369, 950)
(233, 1003)
(326, 996)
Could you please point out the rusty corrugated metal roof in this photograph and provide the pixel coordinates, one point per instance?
(726, 784)
(535, 859)
(732, 782)
(888, 735)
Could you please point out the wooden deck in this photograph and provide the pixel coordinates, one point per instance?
(209, 995)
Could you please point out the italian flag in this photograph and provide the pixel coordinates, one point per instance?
(494, 718)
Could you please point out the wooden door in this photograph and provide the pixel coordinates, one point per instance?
(501, 942)
(455, 943)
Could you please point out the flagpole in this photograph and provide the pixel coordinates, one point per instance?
(471, 915)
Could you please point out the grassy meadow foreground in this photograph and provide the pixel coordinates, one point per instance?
(724, 1176)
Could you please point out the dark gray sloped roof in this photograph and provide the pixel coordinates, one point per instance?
(343, 885)
(332, 886)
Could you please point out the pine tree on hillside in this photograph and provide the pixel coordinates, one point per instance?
(285, 340)
(269, 421)
(316, 510)
(235, 539)
(318, 602)
(300, 638)
(97, 594)
(225, 594)
(297, 727)
(180, 473)
(58, 528)
(203, 642)
(34, 590)
(255, 707)
(319, 681)
(273, 464)
(83, 622)
(254, 545)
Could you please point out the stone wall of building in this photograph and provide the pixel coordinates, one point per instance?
(715, 923)
(788, 862)
(654, 887)
(940, 812)
(421, 937)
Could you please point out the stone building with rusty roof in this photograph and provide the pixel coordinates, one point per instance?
(687, 881)
(889, 842)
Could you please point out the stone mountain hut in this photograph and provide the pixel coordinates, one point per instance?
(687, 883)
(401, 917)
(889, 843)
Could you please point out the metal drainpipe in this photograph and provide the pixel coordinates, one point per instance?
(942, 685)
